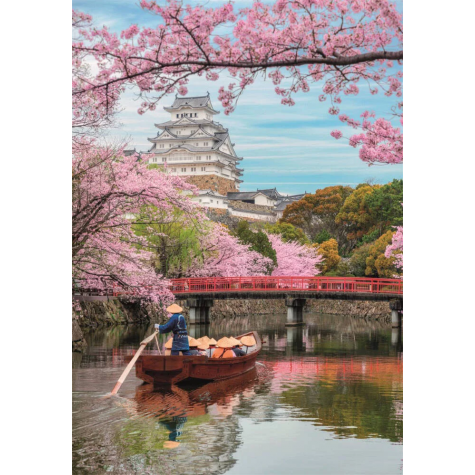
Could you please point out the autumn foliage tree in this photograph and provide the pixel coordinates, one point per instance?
(354, 214)
(329, 251)
(317, 212)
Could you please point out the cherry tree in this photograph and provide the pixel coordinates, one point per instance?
(395, 249)
(337, 45)
(225, 256)
(109, 190)
(293, 258)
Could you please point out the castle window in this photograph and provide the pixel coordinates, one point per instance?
(193, 169)
(170, 145)
(183, 170)
(162, 145)
(178, 116)
(205, 144)
(203, 169)
(196, 143)
(173, 170)
(211, 201)
(164, 159)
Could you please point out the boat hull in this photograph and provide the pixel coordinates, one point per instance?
(159, 369)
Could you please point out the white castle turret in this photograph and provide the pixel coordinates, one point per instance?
(193, 145)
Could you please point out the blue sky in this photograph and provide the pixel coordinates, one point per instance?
(287, 147)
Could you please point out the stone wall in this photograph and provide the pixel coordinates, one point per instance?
(231, 308)
(116, 312)
(356, 308)
(79, 343)
(212, 182)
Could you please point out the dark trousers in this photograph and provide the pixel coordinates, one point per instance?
(177, 352)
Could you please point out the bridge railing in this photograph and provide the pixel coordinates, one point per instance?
(279, 284)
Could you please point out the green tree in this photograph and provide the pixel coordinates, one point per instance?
(342, 270)
(173, 237)
(384, 206)
(258, 242)
(322, 236)
(288, 232)
(358, 260)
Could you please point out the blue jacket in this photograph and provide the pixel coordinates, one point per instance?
(176, 324)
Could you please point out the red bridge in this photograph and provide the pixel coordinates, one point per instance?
(233, 285)
(201, 292)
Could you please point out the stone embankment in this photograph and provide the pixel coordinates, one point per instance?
(111, 312)
(233, 308)
(117, 312)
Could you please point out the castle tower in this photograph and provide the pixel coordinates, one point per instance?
(194, 146)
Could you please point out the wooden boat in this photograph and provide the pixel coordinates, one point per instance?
(159, 369)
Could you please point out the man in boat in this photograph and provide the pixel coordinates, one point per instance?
(177, 325)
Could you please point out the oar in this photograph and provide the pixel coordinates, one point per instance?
(158, 345)
(126, 372)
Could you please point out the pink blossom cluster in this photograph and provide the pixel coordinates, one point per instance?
(225, 256)
(338, 44)
(293, 258)
(395, 249)
(379, 141)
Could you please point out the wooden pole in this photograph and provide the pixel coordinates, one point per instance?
(158, 345)
(126, 372)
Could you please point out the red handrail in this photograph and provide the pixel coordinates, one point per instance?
(279, 284)
(267, 284)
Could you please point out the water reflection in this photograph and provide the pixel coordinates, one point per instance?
(341, 376)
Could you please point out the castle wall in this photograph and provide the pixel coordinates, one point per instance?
(212, 182)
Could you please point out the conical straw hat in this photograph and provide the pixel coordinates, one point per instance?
(174, 308)
(248, 340)
(212, 342)
(169, 344)
(235, 341)
(192, 341)
(225, 343)
(203, 346)
(204, 339)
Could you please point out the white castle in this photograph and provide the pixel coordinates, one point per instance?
(191, 144)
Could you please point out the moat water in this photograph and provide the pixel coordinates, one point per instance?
(325, 399)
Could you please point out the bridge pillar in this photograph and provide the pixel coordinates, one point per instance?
(294, 340)
(294, 311)
(396, 312)
(199, 310)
